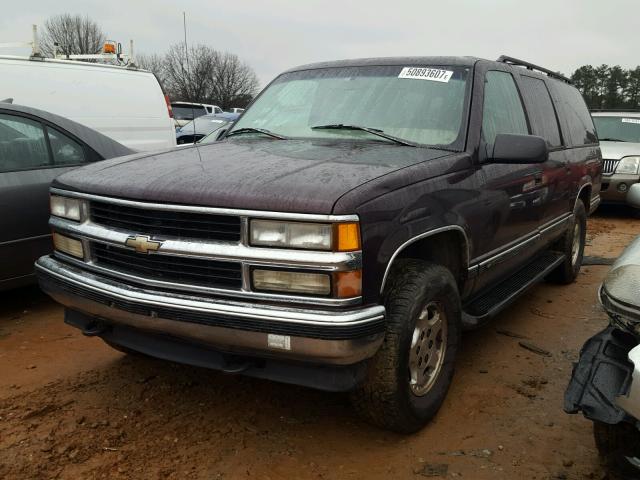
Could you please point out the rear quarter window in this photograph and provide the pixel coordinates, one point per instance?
(576, 121)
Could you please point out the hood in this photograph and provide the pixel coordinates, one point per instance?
(618, 150)
(292, 176)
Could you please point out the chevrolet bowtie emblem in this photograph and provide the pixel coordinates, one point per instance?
(142, 243)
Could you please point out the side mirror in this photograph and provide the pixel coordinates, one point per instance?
(518, 149)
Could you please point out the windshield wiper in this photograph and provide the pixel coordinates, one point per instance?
(263, 131)
(611, 140)
(372, 131)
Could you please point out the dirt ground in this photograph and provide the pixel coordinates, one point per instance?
(72, 408)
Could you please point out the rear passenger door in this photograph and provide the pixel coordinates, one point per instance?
(32, 154)
(515, 184)
(554, 188)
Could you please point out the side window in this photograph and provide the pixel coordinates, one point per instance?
(66, 151)
(577, 121)
(22, 144)
(541, 112)
(218, 110)
(502, 110)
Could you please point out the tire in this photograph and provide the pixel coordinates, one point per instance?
(398, 394)
(568, 270)
(615, 443)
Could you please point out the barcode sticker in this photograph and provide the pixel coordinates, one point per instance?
(421, 73)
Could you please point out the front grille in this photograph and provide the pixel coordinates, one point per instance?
(165, 223)
(168, 268)
(609, 166)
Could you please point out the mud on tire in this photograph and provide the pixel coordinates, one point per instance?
(387, 397)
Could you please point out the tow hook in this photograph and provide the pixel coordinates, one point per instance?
(235, 364)
(94, 329)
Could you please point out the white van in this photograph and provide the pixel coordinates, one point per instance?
(125, 104)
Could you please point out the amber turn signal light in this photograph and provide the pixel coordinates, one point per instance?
(347, 237)
(347, 284)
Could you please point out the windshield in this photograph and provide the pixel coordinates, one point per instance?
(623, 129)
(422, 105)
(183, 112)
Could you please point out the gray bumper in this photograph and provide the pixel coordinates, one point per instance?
(333, 337)
(611, 190)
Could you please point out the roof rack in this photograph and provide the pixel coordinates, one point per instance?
(530, 66)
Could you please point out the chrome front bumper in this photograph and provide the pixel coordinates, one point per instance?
(334, 337)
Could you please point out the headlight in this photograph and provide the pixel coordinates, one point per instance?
(66, 207)
(307, 236)
(629, 165)
(68, 245)
(292, 282)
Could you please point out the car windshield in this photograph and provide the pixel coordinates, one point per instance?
(622, 129)
(420, 105)
(185, 112)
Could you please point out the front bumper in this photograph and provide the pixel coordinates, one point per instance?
(611, 193)
(329, 337)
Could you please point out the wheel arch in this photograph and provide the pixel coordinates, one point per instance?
(448, 246)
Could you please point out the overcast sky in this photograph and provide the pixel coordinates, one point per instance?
(273, 35)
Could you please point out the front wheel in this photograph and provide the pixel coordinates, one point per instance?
(572, 245)
(410, 375)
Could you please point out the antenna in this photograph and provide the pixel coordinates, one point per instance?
(186, 60)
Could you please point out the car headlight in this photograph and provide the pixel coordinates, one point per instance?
(308, 236)
(66, 207)
(629, 165)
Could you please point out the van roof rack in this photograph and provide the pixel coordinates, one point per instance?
(531, 66)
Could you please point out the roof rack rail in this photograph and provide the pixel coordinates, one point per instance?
(531, 66)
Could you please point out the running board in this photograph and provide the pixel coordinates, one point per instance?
(483, 308)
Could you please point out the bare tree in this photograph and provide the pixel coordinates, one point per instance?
(187, 72)
(74, 34)
(153, 62)
(233, 82)
(203, 74)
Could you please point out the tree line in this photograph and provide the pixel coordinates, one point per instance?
(197, 73)
(609, 87)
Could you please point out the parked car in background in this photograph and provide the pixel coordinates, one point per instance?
(619, 134)
(605, 385)
(236, 110)
(202, 126)
(214, 109)
(184, 112)
(35, 147)
(333, 241)
(125, 104)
